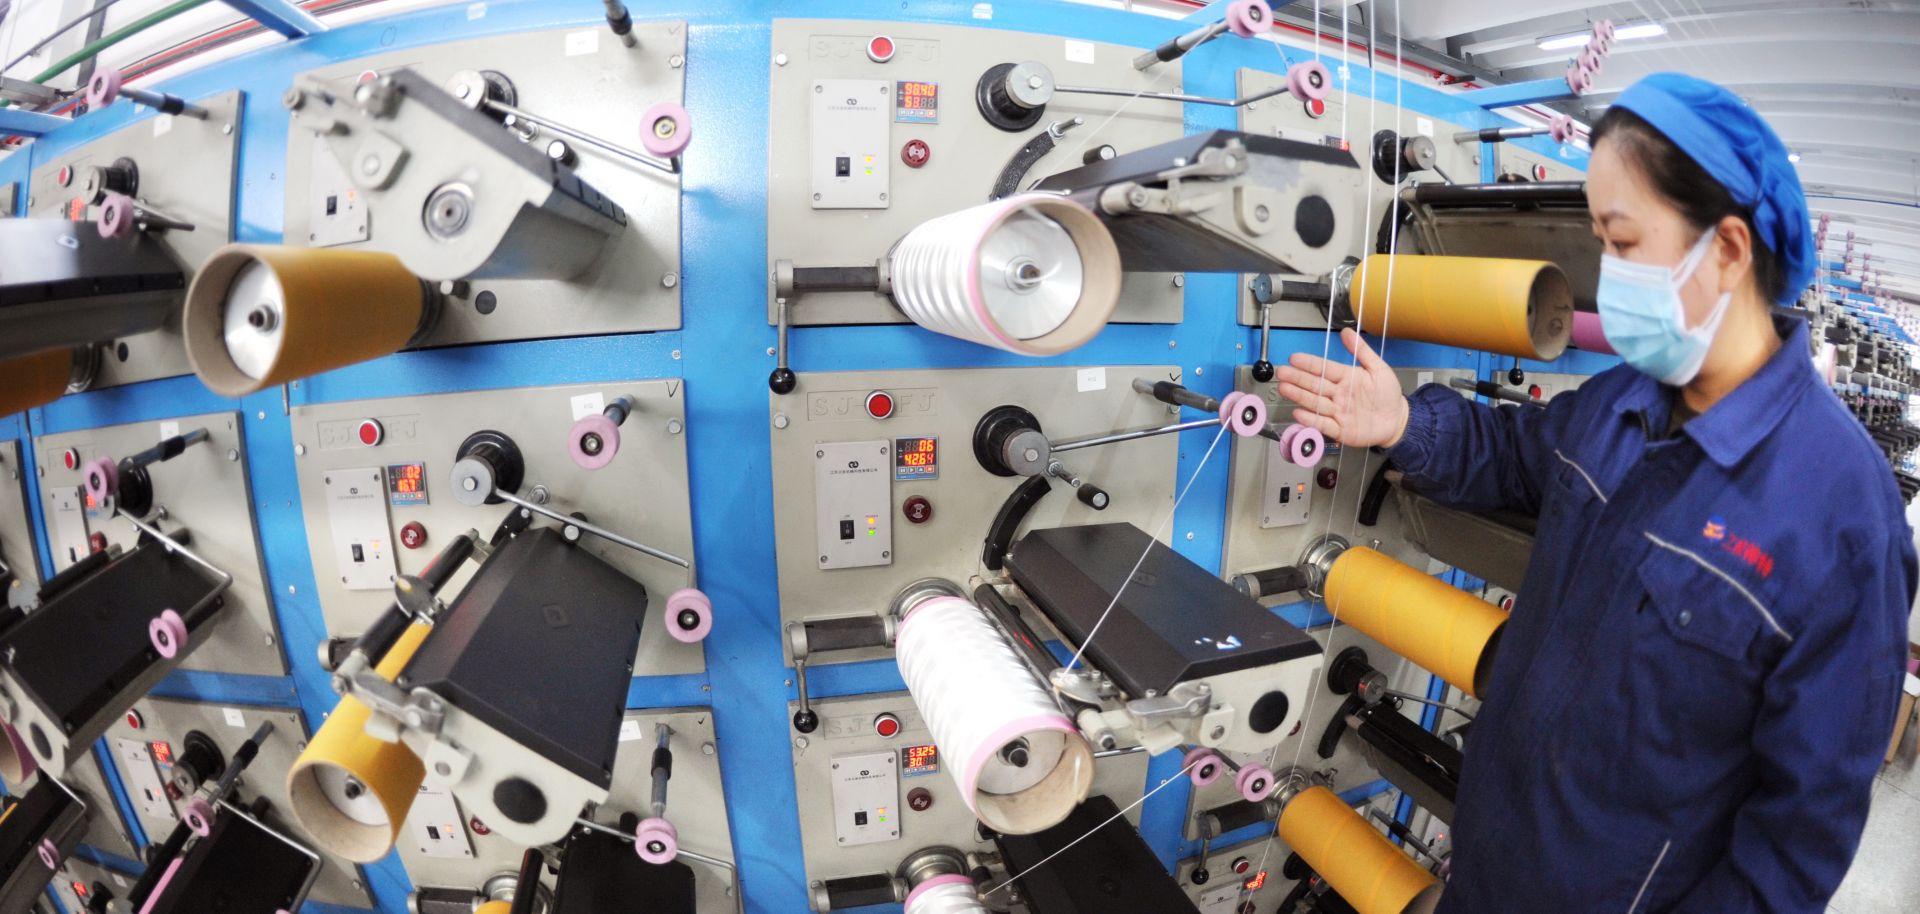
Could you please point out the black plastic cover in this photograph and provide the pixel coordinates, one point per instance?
(540, 646)
(1176, 622)
(75, 653)
(1110, 871)
(602, 874)
(240, 867)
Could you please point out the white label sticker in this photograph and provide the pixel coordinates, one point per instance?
(162, 125)
(630, 729)
(1079, 51)
(585, 405)
(168, 430)
(234, 717)
(1422, 378)
(1092, 379)
(476, 11)
(1425, 126)
(586, 42)
(983, 11)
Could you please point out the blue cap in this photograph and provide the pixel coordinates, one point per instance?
(1734, 144)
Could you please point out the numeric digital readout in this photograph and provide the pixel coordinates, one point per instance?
(916, 458)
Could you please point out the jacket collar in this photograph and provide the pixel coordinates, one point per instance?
(1733, 426)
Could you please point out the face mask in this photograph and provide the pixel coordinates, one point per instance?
(1641, 313)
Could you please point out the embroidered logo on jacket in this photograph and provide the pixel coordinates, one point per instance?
(1744, 549)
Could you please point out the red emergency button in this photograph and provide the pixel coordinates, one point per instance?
(880, 49)
(413, 535)
(372, 432)
(1533, 390)
(916, 153)
(134, 719)
(65, 175)
(96, 542)
(879, 404)
(887, 725)
(1316, 108)
(1539, 172)
(70, 457)
(1241, 865)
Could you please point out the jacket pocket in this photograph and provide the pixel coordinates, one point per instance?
(1702, 606)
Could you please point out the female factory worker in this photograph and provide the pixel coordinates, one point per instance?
(1690, 702)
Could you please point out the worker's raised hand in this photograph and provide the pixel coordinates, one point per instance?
(1359, 405)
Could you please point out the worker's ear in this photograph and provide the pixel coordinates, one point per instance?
(1732, 253)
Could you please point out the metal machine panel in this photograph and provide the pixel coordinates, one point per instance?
(206, 490)
(933, 812)
(106, 828)
(1284, 116)
(426, 431)
(75, 871)
(66, 524)
(695, 800)
(1225, 889)
(566, 75)
(16, 531)
(187, 169)
(168, 721)
(1252, 546)
(966, 154)
(962, 501)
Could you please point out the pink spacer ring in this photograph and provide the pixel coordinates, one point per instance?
(116, 216)
(1203, 767)
(1603, 30)
(168, 632)
(1226, 405)
(28, 764)
(1255, 783)
(1309, 81)
(1579, 82)
(1589, 59)
(656, 841)
(49, 854)
(596, 425)
(102, 476)
(1249, 415)
(198, 815)
(1305, 447)
(1561, 128)
(695, 607)
(103, 89)
(679, 132)
(948, 879)
(1247, 18)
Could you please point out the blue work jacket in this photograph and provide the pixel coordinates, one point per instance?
(1688, 706)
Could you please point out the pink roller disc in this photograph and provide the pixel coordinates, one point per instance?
(1305, 446)
(49, 854)
(1561, 129)
(103, 478)
(1589, 59)
(656, 841)
(28, 765)
(168, 633)
(689, 615)
(1579, 81)
(1603, 30)
(1248, 417)
(103, 89)
(1588, 335)
(1247, 18)
(586, 455)
(665, 129)
(116, 216)
(1203, 767)
(1286, 437)
(1254, 782)
(1226, 405)
(1309, 81)
(199, 817)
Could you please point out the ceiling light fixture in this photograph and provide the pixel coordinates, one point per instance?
(1628, 32)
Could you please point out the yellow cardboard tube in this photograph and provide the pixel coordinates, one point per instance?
(1440, 627)
(34, 380)
(1359, 862)
(495, 907)
(333, 308)
(1515, 307)
(342, 750)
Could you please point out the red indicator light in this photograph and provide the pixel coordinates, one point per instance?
(71, 458)
(1316, 108)
(79, 890)
(879, 404)
(887, 725)
(880, 49)
(371, 432)
(916, 153)
(1533, 390)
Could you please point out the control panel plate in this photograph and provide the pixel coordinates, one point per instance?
(74, 869)
(187, 170)
(16, 529)
(206, 490)
(965, 154)
(847, 730)
(1069, 402)
(566, 76)
(426, 431)
(165, 720)
(696, 805)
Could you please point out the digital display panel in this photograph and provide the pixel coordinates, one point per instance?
(1258, 882)
(919, 760)
(916, 102)
(407, 484)
(916, 458)
(162, 753)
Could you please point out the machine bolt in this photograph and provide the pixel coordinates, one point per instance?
(300, 450)
(675, 61)
(779, 60)
(233, 454)
(1035, 82)
(1189, 535)
(670, 280)
(706, 749)
(1179, 280)
(781, 421)
(673, 426)
(470, 484)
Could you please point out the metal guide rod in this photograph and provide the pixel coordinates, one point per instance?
(598, 531)
(164, 103)
(662, 769)
(1499, 134)
(1178, 47)
(1117, 437)
(1495, 391)
(671, 166)
(1409, 696)
(1176, 96)
(165, 450)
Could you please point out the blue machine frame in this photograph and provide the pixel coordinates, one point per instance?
(726, 342)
